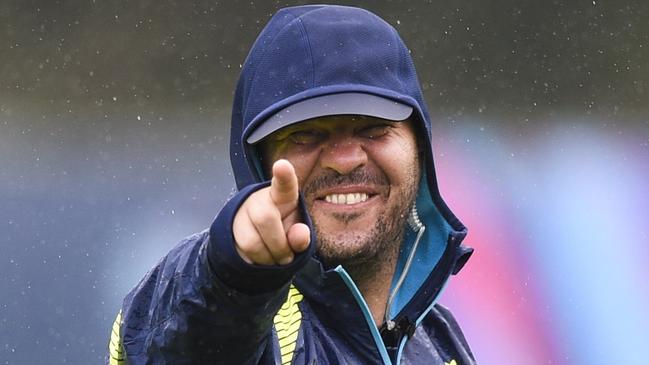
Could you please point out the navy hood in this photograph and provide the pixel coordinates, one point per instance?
(311, 51)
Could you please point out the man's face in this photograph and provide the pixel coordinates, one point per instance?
(359, 177)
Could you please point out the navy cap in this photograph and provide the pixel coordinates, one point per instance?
(347, 103)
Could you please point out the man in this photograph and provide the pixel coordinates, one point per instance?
(340, 257)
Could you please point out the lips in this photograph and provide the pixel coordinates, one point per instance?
(348, 199)
(359, 187)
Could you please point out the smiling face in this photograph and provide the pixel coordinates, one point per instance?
(359, 177)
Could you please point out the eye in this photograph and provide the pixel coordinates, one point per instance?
(374, 131)
(306, 137)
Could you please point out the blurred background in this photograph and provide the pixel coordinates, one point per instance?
(114, 120)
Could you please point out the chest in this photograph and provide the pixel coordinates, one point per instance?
(324, 341)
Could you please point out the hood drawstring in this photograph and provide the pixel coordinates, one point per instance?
(417, 226)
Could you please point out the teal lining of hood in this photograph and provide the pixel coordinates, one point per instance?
(429, 250)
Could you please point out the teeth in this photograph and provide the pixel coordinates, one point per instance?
(351, 198)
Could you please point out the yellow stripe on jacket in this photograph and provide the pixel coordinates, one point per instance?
(287, 325)
(115, 347)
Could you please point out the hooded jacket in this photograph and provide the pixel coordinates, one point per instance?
(203, 304)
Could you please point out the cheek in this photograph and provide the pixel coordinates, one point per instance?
(399, 158)
(303, 163)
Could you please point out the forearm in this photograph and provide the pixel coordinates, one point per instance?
(203, 304)
(180, 313)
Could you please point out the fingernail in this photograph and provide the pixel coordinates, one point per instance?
(286, 260)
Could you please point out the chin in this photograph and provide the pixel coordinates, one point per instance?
(350, 245)
(353, 221)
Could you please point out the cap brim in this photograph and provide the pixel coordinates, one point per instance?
(350, 103)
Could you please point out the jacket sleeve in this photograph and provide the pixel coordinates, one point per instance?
(202, 304)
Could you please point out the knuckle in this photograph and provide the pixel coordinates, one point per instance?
(263, 216)
(251, 247)
(257, 249)
(256, 199)
(245, 244)
(280, 248)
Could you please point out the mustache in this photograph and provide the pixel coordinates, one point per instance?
(332, 178)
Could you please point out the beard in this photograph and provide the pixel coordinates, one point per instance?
(363, 254)
(362, 250)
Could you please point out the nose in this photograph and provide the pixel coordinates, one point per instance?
(343, 155)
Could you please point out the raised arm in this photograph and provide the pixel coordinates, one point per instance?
(212, 299)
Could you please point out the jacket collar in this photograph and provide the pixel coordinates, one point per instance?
(336, 305)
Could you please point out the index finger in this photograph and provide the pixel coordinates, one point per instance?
(284, 186)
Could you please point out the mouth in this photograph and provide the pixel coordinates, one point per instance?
(346, 199)
(347, 196)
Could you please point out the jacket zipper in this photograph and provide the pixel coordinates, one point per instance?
(378, 341)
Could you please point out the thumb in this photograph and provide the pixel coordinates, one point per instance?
(299, 237)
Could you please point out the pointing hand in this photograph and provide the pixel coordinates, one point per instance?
(267, 228)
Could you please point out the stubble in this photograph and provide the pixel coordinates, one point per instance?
(377, 248)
